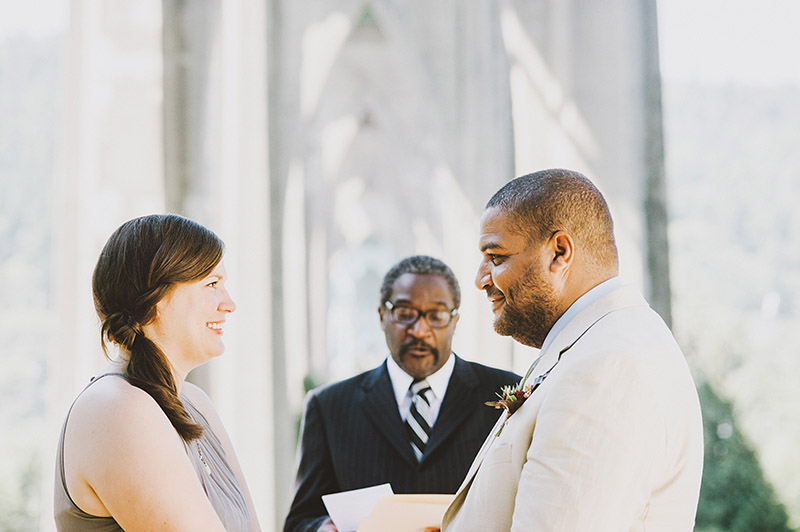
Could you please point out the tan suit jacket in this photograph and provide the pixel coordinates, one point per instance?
(611, 441)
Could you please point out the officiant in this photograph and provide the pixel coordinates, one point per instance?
(416, 421)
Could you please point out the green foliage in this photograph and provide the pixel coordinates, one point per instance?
(734, 496)
(19, 511)
(732, 166)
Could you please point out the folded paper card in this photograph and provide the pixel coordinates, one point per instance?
(348, 508)
(406, 513)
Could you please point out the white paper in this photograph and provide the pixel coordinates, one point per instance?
(348, 508)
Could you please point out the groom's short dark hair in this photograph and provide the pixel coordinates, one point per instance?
(553, 200)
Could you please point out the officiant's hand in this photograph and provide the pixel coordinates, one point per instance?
(328, 526)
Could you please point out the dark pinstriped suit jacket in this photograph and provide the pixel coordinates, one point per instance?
(352, 437)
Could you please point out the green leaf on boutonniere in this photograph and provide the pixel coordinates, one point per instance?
(511, 398)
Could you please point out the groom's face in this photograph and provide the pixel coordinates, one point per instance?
(514, 274)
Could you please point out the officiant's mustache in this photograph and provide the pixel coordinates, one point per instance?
(418, 344)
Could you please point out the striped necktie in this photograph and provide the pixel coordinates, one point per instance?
(418, 422)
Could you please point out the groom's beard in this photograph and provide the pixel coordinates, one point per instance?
(529, 311)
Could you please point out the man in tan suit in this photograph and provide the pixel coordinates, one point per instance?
(609, 436)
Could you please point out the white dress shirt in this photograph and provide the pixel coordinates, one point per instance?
(401, 382)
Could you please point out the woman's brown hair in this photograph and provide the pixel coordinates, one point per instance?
(142, 260)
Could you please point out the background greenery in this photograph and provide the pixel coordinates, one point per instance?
(732, 169)
(734, 494)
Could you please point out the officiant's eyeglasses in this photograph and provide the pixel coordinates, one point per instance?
(436, 318)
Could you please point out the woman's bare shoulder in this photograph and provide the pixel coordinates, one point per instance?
(111, 414)
(112, 397)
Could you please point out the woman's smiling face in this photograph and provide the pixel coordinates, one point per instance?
(189, 320)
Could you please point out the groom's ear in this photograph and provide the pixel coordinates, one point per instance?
(562, 251)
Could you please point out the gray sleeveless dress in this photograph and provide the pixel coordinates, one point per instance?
(209, 461)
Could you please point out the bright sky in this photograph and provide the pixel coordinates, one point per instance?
(755, 41)
(33, 17)
(752, 41)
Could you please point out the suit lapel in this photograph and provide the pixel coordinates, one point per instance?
(456, 406)
(380, 406)
(619, 298)
(547, 361)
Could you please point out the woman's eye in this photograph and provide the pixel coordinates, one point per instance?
(213, 284)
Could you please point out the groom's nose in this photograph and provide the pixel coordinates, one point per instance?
(483, 278)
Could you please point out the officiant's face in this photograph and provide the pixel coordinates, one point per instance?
(417, 347)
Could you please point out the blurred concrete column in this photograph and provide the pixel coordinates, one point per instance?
(216, 149)
(108, 169)
(191, 162)
(249, 382)
(586, 95)
(655, 201)
(482, 160)
(482, 125)
(190, 42)
(285, 279)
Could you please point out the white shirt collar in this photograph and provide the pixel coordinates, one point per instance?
(401, 381)
(581, 303)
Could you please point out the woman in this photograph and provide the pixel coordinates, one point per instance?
(141, 449)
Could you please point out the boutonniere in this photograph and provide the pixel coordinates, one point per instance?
(511, 398)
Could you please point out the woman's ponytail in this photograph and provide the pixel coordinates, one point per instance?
(142, 260)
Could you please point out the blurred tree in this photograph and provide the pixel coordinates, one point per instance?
(734, 496)
(19, 504)
(29, 74)
(735, 253)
